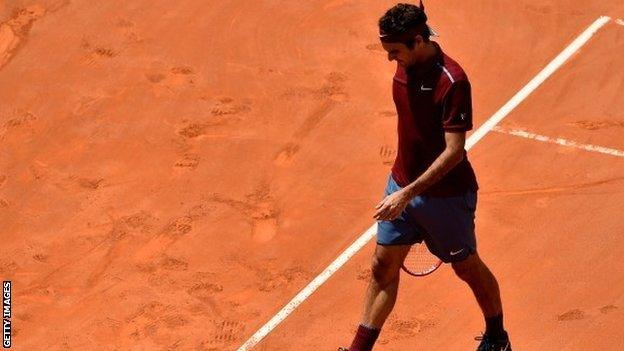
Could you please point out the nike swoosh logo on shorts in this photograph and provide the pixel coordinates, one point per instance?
(422, 87)
(453, 253)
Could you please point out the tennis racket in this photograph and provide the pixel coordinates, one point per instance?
(419, 261)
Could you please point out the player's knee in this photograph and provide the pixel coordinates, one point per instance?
(383, 270)
(464, 270)
(468, 267)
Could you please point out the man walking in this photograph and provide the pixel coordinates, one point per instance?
(431, 193)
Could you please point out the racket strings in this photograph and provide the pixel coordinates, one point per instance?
(420, 261)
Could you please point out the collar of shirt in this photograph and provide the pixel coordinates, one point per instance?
(423, 70)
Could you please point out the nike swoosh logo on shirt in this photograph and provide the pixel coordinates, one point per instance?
(422, 87)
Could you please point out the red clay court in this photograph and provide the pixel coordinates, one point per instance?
(172, 174)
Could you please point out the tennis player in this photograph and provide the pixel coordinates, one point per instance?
(431, 193)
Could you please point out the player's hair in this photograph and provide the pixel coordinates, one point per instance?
(403, 17)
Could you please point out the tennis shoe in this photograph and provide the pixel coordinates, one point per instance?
(490, 344)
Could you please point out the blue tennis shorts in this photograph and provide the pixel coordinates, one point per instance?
(446, 224)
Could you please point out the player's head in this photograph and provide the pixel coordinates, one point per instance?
(404, 32)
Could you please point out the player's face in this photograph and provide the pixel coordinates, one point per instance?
(403, 55)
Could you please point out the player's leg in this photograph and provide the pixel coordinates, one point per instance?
(382, 289)
(476, 274)
(448, 223)
(380, 295)
(483, 284)
(394, 239)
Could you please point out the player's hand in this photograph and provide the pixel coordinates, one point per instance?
(391, 206)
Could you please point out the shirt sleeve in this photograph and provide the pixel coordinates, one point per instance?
(457, 108)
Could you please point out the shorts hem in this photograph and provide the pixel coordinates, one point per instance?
(458, 258)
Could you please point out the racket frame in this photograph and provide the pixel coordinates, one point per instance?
(424, 273)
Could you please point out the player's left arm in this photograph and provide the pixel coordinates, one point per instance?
(392, 205)
(456, 120)
(452, 155)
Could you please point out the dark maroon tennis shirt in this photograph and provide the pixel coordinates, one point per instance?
(431, 100)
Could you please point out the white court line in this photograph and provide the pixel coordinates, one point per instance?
(620, 21)
(537, 81)
(472, 140)
(559, 141)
